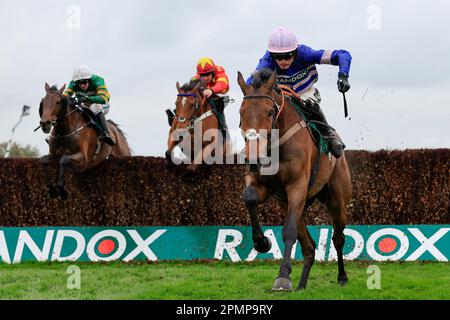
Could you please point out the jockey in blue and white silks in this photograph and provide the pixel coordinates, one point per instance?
(295, 65)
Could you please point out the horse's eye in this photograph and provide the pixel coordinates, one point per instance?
(59, 102)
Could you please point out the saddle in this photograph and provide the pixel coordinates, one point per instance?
(314, 125)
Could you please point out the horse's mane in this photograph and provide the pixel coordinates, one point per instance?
(191, 85)
(54, 87)
(260, 77)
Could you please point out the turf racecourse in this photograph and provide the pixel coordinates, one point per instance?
(219, 280)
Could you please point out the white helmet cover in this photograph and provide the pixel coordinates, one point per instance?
(81, 73)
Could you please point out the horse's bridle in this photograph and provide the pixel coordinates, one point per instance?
(252, 134)
(194, 118)
(60, 119)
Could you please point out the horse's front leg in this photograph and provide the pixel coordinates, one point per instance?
(253, 194)
(75, 161)
(45, 161)
(170, 146)
(296, 201)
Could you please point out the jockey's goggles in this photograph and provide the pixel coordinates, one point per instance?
(83, 81)
(206, 74)
(283, 56)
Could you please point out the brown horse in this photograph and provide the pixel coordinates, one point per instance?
(264, 108)
(194, 116)
(74, 139)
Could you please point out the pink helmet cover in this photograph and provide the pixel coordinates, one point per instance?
(282, 40)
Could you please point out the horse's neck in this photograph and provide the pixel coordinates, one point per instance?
(69, 120)
(205, 107)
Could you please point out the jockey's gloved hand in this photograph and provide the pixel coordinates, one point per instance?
(208, 93)
(83, 99)
(342, 83)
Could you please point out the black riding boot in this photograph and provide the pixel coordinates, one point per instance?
(104, 135)
(218, 107)
(335, 144)
(170, 116)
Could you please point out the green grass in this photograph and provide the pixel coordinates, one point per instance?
(220, 280)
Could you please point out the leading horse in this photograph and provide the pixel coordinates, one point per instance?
(73, 138)
(263, 108)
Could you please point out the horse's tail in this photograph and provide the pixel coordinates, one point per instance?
(122, 134)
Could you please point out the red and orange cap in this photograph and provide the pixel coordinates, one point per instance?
(205, 65)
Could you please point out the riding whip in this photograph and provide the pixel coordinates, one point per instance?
(345, 105)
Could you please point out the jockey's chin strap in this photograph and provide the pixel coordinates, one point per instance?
(194, 118)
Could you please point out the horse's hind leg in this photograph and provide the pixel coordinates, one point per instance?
(337, 206)
(308, 250)
(336, 195)
(339, 223)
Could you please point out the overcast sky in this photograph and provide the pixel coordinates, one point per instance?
(400, 74)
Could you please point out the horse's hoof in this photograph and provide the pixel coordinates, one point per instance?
(63, 193)
(262, 245)
(45, 160)
(52, 192)
(342, 280)
(282, 284)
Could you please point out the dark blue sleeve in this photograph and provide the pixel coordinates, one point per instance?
(265, 62)
(343, 59)
(339, 58)
(310, 56)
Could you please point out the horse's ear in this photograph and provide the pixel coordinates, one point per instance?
(178, 87)
(41, 108)
(62, 89)
(271, 82)
(242, 84)
(47, 87)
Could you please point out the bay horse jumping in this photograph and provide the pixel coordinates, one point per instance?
(73, 138)
(195, 115)
(265, 108)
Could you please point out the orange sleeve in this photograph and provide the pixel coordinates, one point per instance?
(221, 84)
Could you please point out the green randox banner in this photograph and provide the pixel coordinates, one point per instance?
(376, 243)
